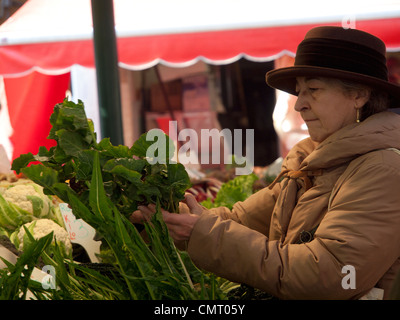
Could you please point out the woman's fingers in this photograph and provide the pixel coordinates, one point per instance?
(180, 226)
(187, 206)
(137, 217)
(183, 208)
(143, 214)
(192, 204)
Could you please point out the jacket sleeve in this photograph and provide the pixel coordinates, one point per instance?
(255, 212)
(360, 230)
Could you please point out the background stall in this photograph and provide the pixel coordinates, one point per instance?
(207, 57)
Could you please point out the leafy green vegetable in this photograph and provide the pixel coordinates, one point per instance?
(237, 189)
(154, 270)
(129, 178)
(15, 279)
(103, 184)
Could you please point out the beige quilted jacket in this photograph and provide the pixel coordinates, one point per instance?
(347, 190)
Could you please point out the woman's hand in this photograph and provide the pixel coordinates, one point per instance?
(180, 225)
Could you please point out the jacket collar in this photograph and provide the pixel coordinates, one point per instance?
(380, 131)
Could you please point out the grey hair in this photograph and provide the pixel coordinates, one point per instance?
(378, 100)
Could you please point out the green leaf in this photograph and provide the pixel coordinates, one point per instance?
(97, 196)
(68, 115)
(103, 184)
(71, 142)
(136, 252)
(81, 211)
(165, 250)
(178, 179)
(45, 177)
(84, 165)
(139, 148)
(15, 286)
(237, 189)
(129, 163)
(130, 175)
(37, 205)
(45, 155)
(22, 161)
(165, 147)
(60, 156)
(107, 149)
(10, 217)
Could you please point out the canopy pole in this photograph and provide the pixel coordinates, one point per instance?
(106, 58)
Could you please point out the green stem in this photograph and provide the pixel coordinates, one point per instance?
(116, 255)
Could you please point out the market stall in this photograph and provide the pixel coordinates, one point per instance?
(48, 39)
(42, 48)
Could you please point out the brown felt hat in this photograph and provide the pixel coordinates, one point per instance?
(335, 52)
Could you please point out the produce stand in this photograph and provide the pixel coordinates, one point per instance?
(42, 40)
(101, 184)
(88, 190)
(81, 175)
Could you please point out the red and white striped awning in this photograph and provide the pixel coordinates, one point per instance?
(50, 36)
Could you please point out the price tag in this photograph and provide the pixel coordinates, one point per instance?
(80, 232)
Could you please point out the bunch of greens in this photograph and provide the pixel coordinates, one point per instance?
(237, 189)
(129, 179)
(15, 279)
(103, 184)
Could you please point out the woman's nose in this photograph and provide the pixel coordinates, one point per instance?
(301, 103)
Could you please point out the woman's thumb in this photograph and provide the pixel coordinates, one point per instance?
(192, 203)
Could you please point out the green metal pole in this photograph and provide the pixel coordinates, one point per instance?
(106, 58)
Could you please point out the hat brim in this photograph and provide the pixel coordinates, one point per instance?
(285, 79)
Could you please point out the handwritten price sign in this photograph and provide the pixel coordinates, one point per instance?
(80, 232)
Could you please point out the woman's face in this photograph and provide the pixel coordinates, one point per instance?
(324, 106)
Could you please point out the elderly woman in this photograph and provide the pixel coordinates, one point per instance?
(329, 226)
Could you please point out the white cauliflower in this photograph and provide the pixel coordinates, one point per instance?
(23, 202)
(40, 228)
(29, 197)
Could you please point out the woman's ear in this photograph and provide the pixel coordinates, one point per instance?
(361, 97)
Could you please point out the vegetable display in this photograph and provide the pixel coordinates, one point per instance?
(15, 279)
(205, 189)
(237, 189)
(38, 229)
(23, 201)
(104, 184)
(129, 179)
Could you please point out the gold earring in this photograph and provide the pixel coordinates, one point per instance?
(358, 115)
